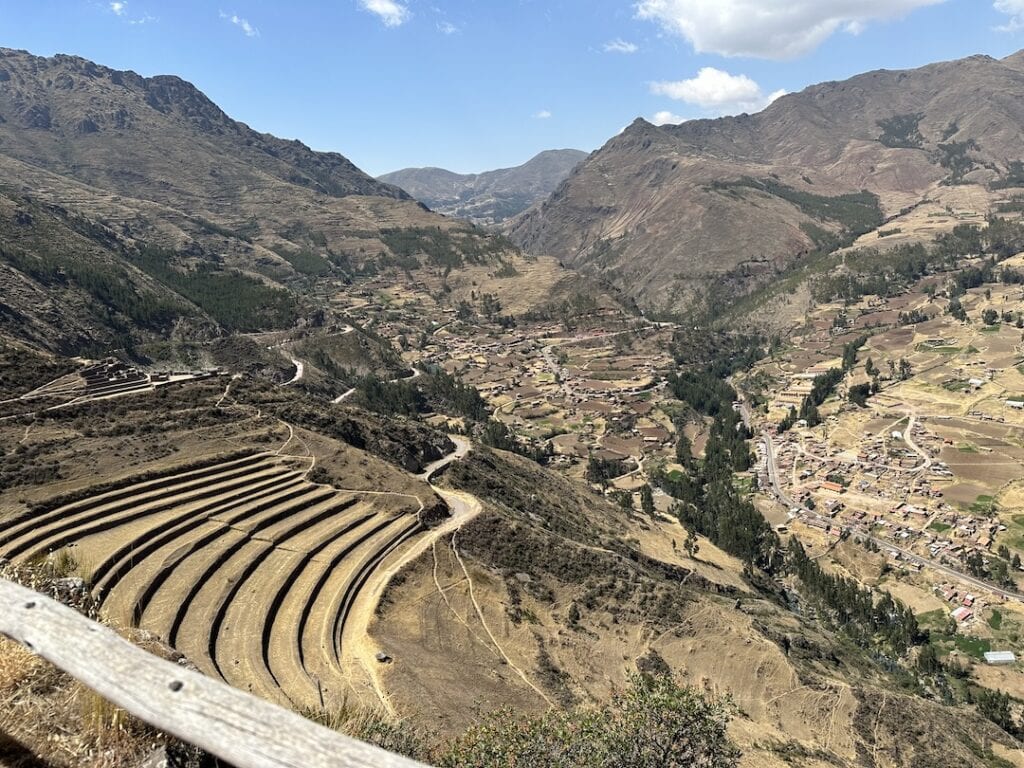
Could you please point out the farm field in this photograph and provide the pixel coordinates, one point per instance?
(238, 561)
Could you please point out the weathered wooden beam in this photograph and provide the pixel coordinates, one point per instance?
(241, 729)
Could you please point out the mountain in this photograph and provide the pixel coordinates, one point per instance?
(491, 197)
(134, 209)
(692, 216)
(120, 131)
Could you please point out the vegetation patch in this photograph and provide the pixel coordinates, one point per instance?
(305, 262)
(443, 247)
(925, 347)
(902, 131)
(1012, 177)
(236, 301)
(856, 212)
(984, 505)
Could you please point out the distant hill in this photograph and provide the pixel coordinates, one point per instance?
(692, 216)
(490, 197)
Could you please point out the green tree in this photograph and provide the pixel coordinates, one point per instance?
(490, 305)
(684, 450)
(647, 500)
(928, 660)
(690, 545)
(906, 370)
(859, 394)
(957, 310)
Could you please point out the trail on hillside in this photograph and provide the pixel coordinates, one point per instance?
(357, 646)
(483, 622)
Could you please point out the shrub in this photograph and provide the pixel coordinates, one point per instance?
(654, 723)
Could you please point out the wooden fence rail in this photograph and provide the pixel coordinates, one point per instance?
(236, 727)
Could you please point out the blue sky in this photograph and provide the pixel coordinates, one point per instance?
(477, 84)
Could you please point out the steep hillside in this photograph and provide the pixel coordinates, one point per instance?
(490, 197)
(691, 215)
(135, 210)
(552, 596)
(123, 132)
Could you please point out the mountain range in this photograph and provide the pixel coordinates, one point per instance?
(692, 216)
(134, 207)
(353, 323)
(491, 197)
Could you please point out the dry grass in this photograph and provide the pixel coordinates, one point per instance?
(47, 718)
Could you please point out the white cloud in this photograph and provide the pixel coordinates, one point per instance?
(618, 45)
(447, 28)
(120, 9)
(391, 12)
(543, 115)
(1015, 10)
(667, 118)
(242, 24)
(771, 29)
(717, 91)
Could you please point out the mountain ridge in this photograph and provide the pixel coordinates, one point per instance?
(666, 212)
(73, 98)
(489, 197)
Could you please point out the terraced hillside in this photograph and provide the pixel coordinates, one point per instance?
(240, 563)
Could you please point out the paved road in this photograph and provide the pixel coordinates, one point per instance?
(907, 555)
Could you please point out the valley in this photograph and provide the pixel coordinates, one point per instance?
(398, 471)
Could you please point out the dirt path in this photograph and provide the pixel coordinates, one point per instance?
(300, 371)
(874, 731)
(483, 622)
(909, 438)
(357, 647)
(344, 396)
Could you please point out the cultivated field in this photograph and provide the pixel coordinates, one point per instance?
(240, 563)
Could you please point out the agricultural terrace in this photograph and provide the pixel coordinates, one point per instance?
(234, 555)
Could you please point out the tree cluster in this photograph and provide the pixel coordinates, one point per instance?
(853, 609)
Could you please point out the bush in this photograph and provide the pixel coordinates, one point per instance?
(654, 723)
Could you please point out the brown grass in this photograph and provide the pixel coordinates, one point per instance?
(47, 718)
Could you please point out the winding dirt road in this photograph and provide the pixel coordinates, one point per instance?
(416, 373)
(359, 650)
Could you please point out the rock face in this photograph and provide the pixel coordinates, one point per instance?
(689, 215)
(491, 197)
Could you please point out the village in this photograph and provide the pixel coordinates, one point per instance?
(927, 469)
(592, 392)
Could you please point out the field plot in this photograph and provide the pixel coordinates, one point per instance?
(239, 562)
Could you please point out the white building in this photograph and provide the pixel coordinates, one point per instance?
(1000, 657)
